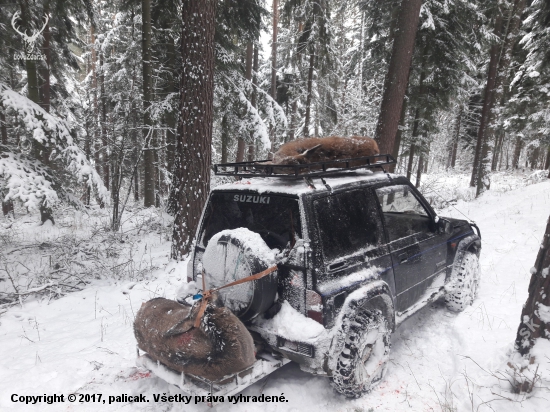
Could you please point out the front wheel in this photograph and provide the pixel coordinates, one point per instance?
(464, 285)
(362, 357)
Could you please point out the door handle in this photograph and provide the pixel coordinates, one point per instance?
(403, 257)
(339, 265)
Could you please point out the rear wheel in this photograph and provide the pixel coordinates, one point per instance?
(362, 357)
(464, 285)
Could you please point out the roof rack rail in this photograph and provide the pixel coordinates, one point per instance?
(261, 168)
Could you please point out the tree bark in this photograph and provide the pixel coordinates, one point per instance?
(274, 49)
(517, 152)
(532, 326)
(248, 76)
(192, 171)
(398, 136)
(497, 152)
(171, 115)
(3, 125)
(419, 169)
(104, 143)
(395, 84)
(148, 134)
(253, 101)
(309, 91)
(224, 138)
(412, 146)
(454, 145)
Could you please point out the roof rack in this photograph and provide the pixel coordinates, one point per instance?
(261, 168)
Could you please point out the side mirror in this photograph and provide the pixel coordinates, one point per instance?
(444, 226)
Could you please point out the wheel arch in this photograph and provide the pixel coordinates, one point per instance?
(470, 243)
(375, 295)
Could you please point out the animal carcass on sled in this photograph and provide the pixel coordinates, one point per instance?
(314, 150)
(221, 345)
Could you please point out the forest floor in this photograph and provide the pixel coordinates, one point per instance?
(69, 294)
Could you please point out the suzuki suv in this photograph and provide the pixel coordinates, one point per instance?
(357, 252)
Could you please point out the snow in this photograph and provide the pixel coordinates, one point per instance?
(84, 342)
(292, 325)
(254, 245)
(357, 277)
(299, 186)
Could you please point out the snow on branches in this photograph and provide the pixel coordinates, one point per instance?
(29, 179)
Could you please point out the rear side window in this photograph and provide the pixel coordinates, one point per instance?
(347, 222)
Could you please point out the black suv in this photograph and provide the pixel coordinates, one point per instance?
(356, 254)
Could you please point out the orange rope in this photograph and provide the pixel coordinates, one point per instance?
(207, 294)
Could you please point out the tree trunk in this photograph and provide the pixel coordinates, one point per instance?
(487, 102)
(547, 161)
(171, 88)
(224, 138)
(274, 49)
(419, 169)
(532, 326)
(148, 134)
(3, 126)
(192, 172)
(7, 206)
(253, 100)
(309, 91)
(45, 68)
(95, 115)
(456, 135)
(398, 135)
(104, 143)
(248, 76)
(397, 77)
(413, 138)
(33, 93)
(497, 153)
(517, 152)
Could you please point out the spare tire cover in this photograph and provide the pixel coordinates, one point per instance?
(235, 254)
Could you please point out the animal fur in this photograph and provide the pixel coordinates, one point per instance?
(220, 346)
(313, 150)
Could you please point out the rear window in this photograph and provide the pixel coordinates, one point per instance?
(348, 222)
(275, 218)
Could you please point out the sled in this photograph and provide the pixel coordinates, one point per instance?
(228, 385)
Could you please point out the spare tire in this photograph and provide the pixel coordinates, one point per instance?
(235, 254)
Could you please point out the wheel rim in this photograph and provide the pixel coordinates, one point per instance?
(373, 356)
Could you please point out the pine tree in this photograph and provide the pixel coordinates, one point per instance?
(192, 168)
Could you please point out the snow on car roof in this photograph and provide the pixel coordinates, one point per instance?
(299, 186)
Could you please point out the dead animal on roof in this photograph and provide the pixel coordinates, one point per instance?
(326, 149)
(220, 346)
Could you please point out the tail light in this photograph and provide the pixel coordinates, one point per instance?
(314, 306)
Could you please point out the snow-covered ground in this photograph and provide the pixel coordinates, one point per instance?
(83, 342)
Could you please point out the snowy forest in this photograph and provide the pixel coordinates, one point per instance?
(112, 114)
(109, 75)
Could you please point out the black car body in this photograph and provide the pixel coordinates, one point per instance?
(355, 239)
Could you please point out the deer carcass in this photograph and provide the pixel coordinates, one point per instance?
(220, 346)
(313, 150)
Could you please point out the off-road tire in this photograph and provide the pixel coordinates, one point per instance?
(362, 358)
(464, 284)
